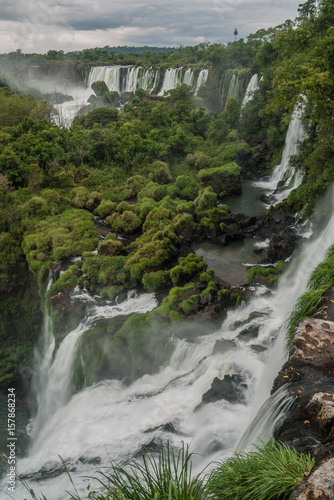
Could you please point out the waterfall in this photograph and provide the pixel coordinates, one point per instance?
(233, 88)
(111, 75)
(188, 77)
(109, 418)
(284, 174)
(251, 88)
(57, 374)
(172, 79)
(202, 79)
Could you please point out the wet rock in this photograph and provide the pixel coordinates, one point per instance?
(320, 484)
(55, 269)
(258, 348)
(322, 407)
(223, 345)
(249, 333)
(229, 388)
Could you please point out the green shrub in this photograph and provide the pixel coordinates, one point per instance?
(153, 281)
(321, 278)
(166, 476)
(66, 282)
(270, 472)
(305, 307)
(106, 208)
(206, 199)
(110, 247)
(161, 173)
(188, 267)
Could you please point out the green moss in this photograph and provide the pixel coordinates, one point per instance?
(57, 237)
(110, 247)
(105, 208)
(206, 199)
(111, 292)
(67, 282)
(187, 269)
(272, 274)
(153, 281)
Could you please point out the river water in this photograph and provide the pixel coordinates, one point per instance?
(111, 419)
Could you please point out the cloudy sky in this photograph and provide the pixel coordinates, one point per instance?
(41, 25)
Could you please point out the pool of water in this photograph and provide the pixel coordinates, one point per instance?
(248, 202)
(229, 262)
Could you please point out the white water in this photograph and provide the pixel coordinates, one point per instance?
(109, 418)
(251, 88)
(284, 173)
(233, 88)
(202, 79)
(173, 78)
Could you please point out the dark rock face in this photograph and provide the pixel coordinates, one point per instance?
(229, 388)
(310, 425)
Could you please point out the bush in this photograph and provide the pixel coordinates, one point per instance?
(272, 471)
(167, 476)
(152, 281)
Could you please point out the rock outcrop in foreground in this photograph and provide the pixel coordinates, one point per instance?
(309, 427)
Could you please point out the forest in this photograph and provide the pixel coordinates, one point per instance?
(116, 201)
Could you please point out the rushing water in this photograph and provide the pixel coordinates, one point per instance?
(110, 419)
(251, 88)
(284, 178)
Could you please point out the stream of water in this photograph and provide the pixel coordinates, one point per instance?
(111, 419)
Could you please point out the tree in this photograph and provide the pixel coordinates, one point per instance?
(307, 9)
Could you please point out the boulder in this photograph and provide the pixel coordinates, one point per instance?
(320, 484)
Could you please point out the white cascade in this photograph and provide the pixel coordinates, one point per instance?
(284, 178)
(111, 75)
(172, 80)
(57, 373)
(202, 79)
(252, 86)
(188, 77)
(233, 88)
(110, 418)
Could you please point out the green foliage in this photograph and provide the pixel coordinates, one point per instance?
(272, 274)
(166, 476)
(58, 237)
(153, 281)
(272, 471)
(67, 282)
(206, 199)
(321, 278)
(221, 179)
(187, 269)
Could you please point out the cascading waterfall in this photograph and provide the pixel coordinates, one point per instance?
(284, 174)
(172, 79)
(127, 79)
(252, 86)
(233, 88)
(110, 418)
(188, 77)
(202, 79)
(111, 75)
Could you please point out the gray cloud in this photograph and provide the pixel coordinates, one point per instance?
(39, 25)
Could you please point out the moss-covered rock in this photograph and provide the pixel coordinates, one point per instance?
(224, 180)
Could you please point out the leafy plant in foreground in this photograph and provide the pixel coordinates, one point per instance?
(165, 477)
(272, 471)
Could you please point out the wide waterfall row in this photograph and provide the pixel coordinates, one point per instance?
(129, 78)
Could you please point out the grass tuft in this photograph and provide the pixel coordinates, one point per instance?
(270, 472)
(165, 477)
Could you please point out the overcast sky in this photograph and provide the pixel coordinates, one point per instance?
(41, 25)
